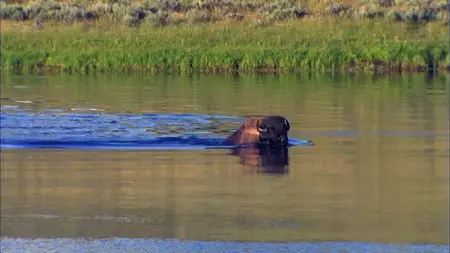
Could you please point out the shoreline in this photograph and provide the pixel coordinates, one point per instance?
(329, 43)
(381, 69)
(212, 50)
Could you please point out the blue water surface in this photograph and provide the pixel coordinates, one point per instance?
(112, 245)
(96, 129)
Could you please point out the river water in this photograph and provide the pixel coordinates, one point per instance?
(376, 176)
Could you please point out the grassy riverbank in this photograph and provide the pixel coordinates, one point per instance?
(309, 41)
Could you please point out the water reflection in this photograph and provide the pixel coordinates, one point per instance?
(378, 170)
(269, 161)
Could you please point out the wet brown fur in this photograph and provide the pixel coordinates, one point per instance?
(246, 134)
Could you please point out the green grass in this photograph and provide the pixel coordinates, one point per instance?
(339, 45)
(210, 35)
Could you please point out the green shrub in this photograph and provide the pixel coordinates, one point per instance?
(132, 13)
(12, 11)
(200, 16)
(159, 18)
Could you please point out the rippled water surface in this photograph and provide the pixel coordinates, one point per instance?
(140, 158)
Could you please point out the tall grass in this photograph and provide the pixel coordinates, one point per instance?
(364, 46)
(212, 35)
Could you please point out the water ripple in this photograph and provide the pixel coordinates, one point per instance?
(22, 128)
(10, 244)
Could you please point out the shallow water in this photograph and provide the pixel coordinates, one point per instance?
(378, 171)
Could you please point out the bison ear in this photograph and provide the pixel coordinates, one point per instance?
(287, 124)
